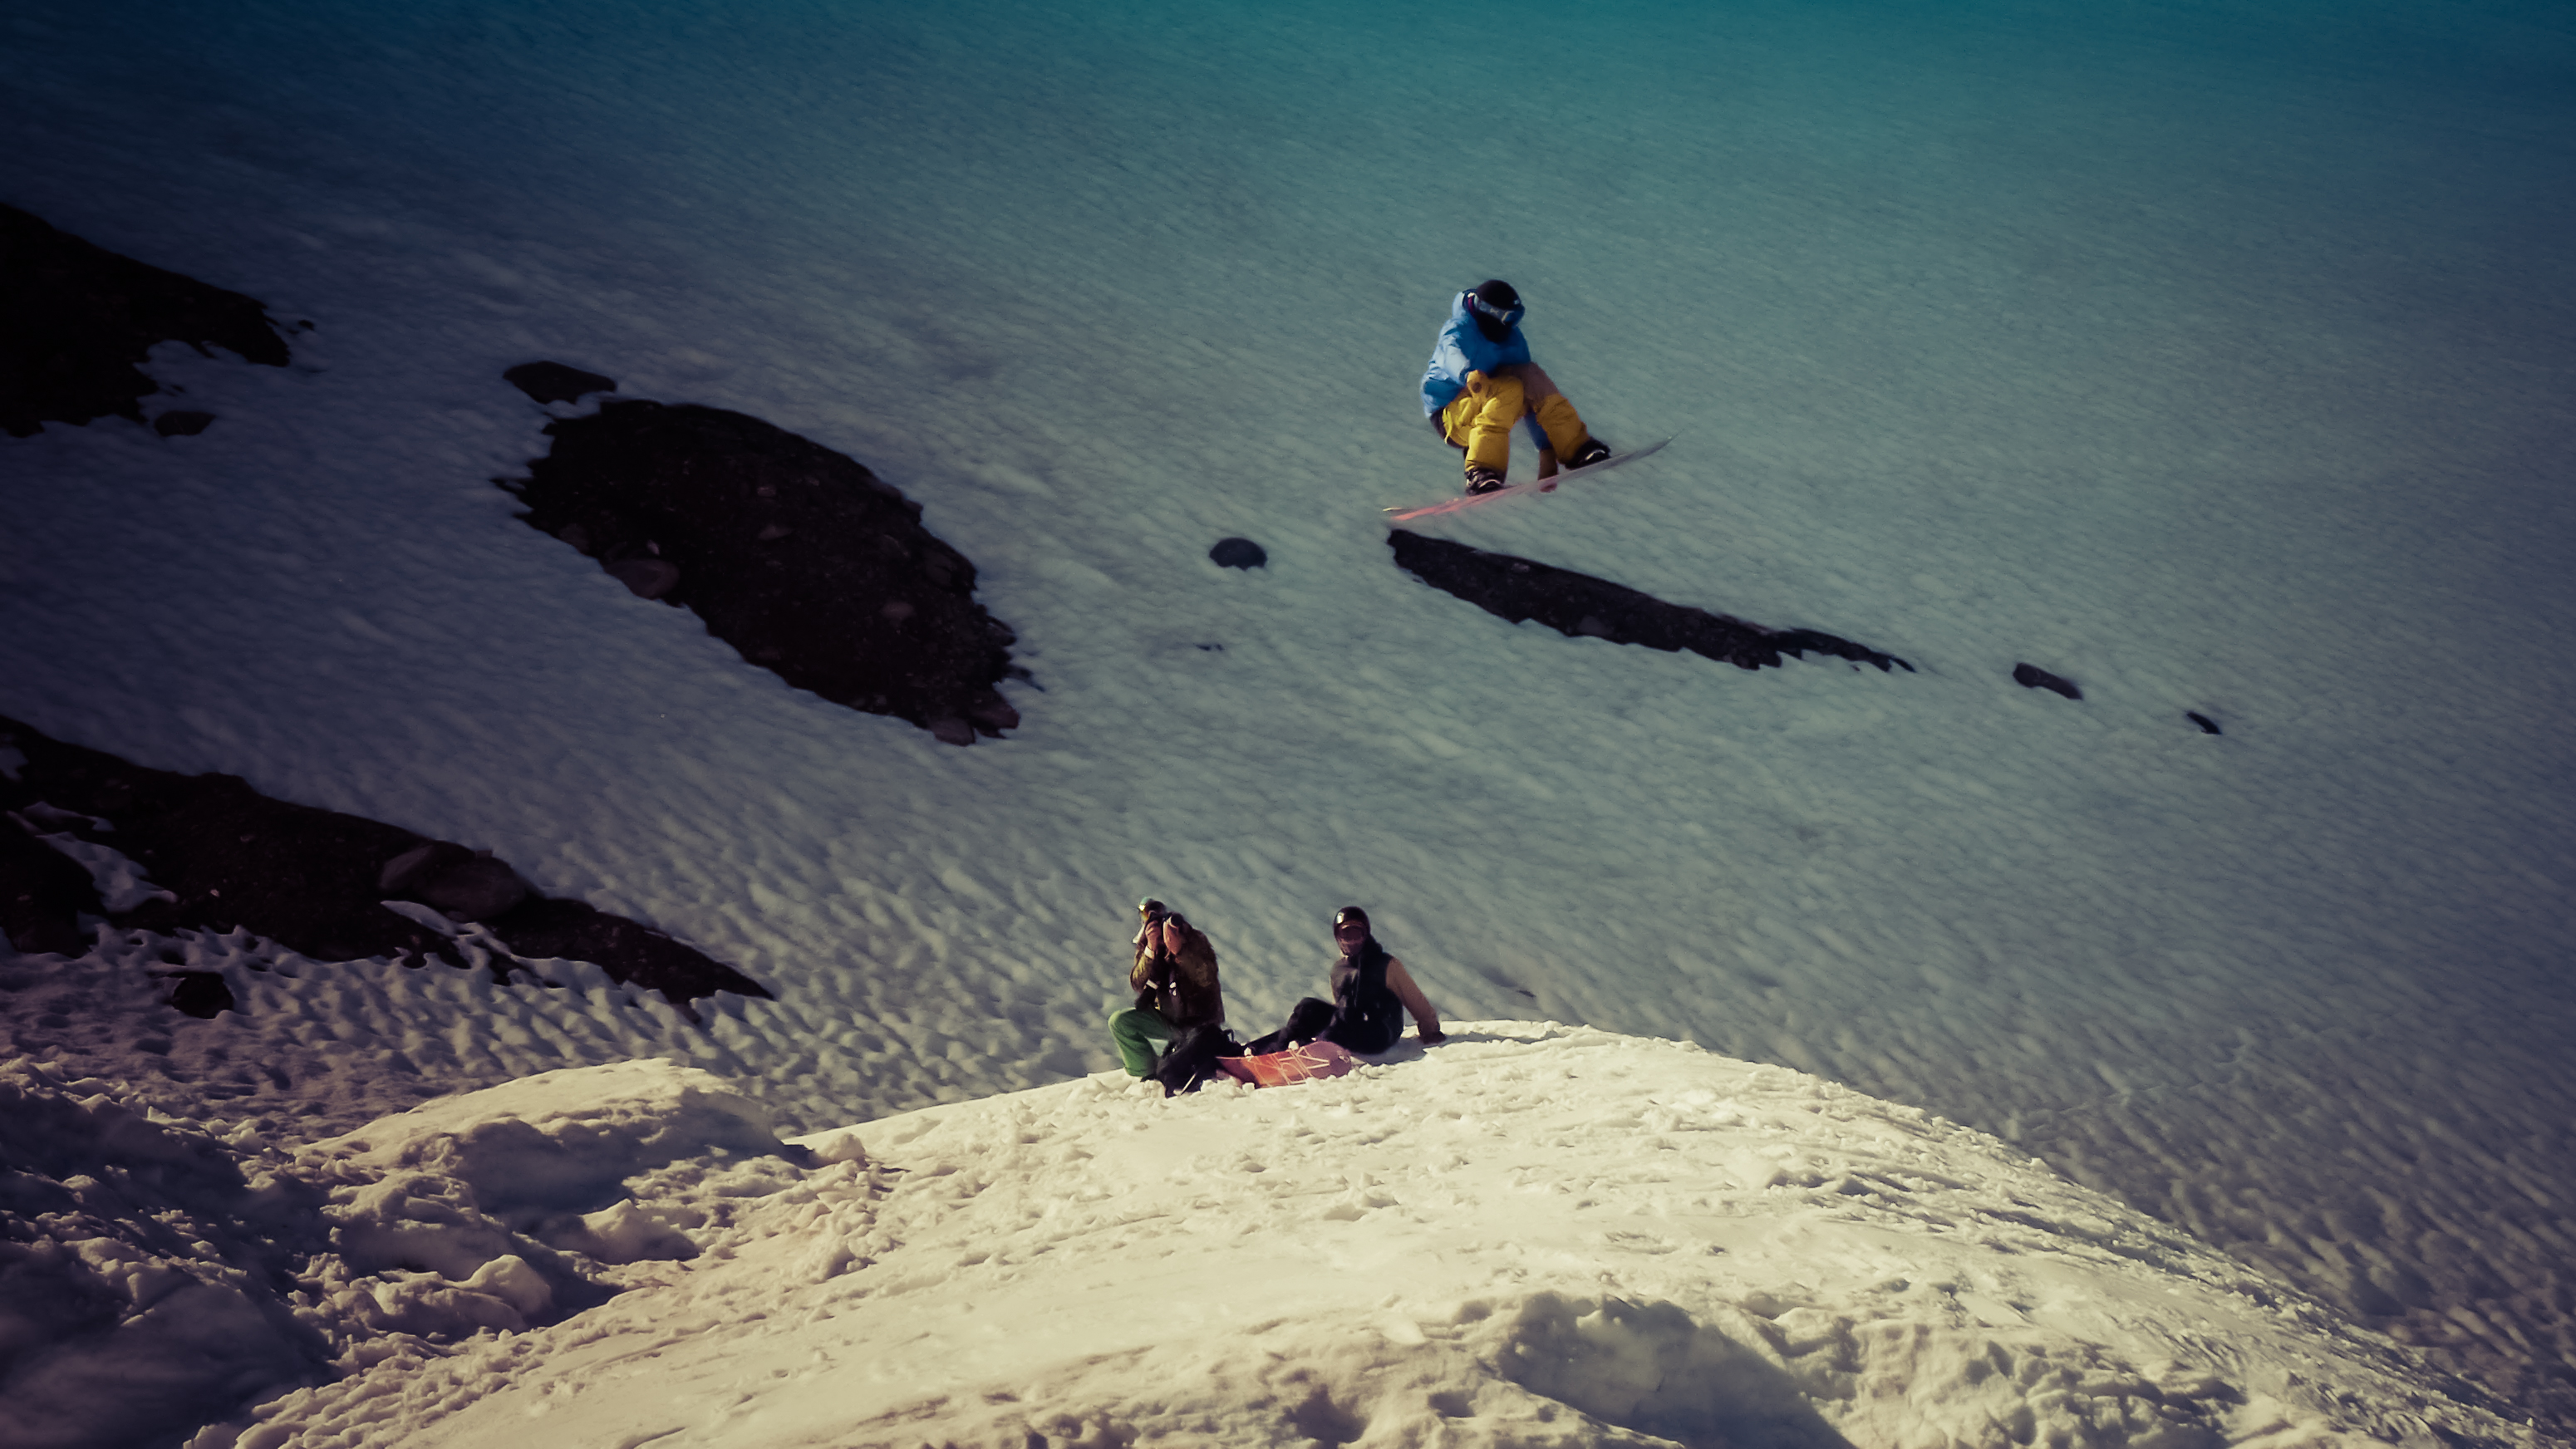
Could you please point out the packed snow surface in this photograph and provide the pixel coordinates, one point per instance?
(1534, 1235)
(2215, 356)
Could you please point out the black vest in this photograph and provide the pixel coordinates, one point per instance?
(1367, 1015)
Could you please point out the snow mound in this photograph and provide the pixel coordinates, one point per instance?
(1536, 1235)
(477, 1211)
(138, 1263)
(563, 1140)
(158, 1276)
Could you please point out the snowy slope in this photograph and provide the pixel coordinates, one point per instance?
(1536, 1235)
(2214, 356)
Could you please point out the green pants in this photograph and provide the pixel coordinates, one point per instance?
(1140, 1032)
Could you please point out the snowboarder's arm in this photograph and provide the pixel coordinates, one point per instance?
(1170, 944)
(1151, 961)
(1425, 1020)
(1449, 359)
(1460, 351)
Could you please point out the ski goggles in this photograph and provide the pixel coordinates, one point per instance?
(1507, 316)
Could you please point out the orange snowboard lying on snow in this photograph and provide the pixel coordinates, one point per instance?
(1311, 1062)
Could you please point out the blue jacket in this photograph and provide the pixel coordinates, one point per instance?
(1463, 349)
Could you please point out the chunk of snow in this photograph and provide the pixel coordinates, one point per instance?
(564, 1141)
(839, 1145)
(121, 883)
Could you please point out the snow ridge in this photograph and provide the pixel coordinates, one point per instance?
(1537, 1235)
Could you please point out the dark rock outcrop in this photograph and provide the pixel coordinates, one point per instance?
(315, 880)
(2031, 676)
(77, 320)
(1238, 553)
(182, 423)
(795, 555)
(1580, 605)
(555, 382)
(2207, 725)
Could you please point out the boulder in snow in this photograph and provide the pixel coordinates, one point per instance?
(201, 994)
(646, 578)
(463, 885)
(556, 382)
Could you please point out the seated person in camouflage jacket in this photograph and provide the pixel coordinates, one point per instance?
(1174, 978)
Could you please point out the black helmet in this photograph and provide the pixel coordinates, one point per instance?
(1351, 916)
(1495, 306)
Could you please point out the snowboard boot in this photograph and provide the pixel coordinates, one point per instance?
(1485, 480)
(1592, 451)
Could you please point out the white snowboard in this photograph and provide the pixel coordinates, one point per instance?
(1535, 485)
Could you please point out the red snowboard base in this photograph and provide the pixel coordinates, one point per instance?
(1312, 1062)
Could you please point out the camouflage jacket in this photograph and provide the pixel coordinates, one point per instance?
(1181, 989)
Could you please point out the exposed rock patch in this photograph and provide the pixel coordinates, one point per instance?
(1582, 606)
(77, 320)
(311, 880)
(795, 555)
(2207, 725)
(2031, 676)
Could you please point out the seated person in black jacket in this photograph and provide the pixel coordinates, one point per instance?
(1371, 994)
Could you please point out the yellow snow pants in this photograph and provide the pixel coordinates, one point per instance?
(1480, 419)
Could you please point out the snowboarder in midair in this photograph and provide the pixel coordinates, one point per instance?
(1481, 381)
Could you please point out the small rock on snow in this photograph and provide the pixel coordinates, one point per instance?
(2031, 676)
(1238, 553)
